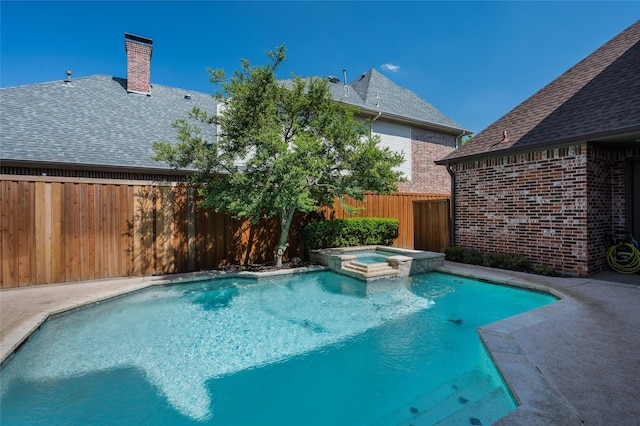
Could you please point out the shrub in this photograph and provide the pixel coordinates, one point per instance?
(545, 270)
(473, 257)
(454, 253)
(513, 262)
(350, 232)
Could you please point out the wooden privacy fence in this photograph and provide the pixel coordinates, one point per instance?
(432, 223)
(69, 229)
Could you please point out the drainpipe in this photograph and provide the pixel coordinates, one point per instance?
(452, 231)
(374, 119)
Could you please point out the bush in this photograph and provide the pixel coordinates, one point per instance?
(350, 232)
(473, 257)
(513, 262)
(454, 253)
(545, 270)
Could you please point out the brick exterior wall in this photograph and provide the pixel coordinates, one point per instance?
(138, 66)
(557, 207)
(426, 147)
(607, 180)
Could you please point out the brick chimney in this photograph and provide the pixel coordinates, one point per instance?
(138, 63)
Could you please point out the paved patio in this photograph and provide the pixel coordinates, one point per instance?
(576, 361)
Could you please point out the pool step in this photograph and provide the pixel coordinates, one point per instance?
(369, 270)
(448, 403)
(484, 411)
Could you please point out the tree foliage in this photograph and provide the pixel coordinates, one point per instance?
(282, 147)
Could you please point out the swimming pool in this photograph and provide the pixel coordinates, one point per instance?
(318, 348)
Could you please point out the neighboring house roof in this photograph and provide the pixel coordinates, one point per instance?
(102, 122)
(91, 122)
(596, 100)
(372, 93)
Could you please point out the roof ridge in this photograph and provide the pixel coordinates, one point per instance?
(41, 83)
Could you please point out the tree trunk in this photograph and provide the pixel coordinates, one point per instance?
(286, 217)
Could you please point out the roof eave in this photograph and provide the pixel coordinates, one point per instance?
(9, 162)
(591, 137)
(457, 131)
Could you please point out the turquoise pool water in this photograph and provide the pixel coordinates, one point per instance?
(371, 256)
(311, 349)
(370, 259)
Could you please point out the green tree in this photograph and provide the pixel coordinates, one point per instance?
(283, 147)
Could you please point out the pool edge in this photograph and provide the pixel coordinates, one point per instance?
(30, 322)
(537, 400)
(536, 396)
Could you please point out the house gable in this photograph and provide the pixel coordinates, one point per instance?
(374, 93)
(405, 123)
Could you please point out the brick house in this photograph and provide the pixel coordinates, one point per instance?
(555, 178)
(103, 126)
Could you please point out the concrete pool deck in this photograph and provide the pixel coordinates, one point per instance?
(576, 361)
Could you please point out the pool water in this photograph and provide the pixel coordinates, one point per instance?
(370, 259)
(371, 256)
(311, 349)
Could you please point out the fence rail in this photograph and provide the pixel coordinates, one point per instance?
(56, 229)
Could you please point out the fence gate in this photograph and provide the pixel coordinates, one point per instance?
(431, 221)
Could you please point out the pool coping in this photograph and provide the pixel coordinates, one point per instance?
(545, 395)
(539, 402)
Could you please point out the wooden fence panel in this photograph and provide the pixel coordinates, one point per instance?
(100, 230)
(57, 229)
(431, 223)
(26, 228)
(395, 206)
(8, 239)
(57, 246)
(40, 231)
(89, 272)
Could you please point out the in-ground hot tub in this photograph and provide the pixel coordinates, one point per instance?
(376, 262)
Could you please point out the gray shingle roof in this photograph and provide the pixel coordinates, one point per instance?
(597, 99)
(374, 92)
(95, 122)
(92, 122)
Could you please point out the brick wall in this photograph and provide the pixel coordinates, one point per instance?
(532, 204)
(607, 181)
(557, 207)
(426, 147)
(600, 206)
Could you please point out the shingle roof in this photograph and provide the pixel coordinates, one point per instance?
(374, 92)
(93, 121)
(598, 97)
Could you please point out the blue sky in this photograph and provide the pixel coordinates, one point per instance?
(474, 61)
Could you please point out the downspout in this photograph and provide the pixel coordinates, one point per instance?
(374, 119)
(452, 231)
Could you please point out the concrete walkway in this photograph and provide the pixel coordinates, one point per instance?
(573, 362)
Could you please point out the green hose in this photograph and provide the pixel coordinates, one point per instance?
(624, 258)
